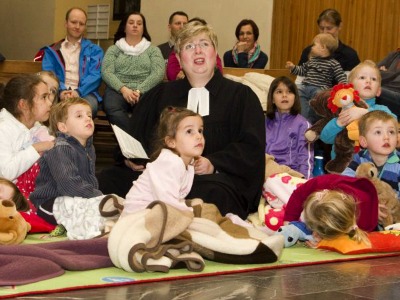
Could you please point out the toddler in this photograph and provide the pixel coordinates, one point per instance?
(334, 205)
(66, 188)
(378, 137)
(320, 72)
(169, 177)
(366, 79)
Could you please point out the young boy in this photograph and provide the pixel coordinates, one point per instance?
(66, 190)
(320, 72)
(366, 79)
(378, 137)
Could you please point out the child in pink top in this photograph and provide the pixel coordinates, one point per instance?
(169, 177)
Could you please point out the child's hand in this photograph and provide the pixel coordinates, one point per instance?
(133, 166)
(289, 65)
(347, 116)
(314, 243)
(40, 147)
(203, 166)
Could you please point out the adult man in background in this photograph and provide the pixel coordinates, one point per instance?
(75, 60)
(176, 21)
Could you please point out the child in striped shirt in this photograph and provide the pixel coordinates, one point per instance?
(320, 72)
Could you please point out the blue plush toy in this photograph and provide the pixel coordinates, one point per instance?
(295, 231)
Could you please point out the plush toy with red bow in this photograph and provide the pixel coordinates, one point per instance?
(328, 104)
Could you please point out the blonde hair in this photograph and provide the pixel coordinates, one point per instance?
(366, 63)
(191, 30)
(332, 213)
(327, 40)
(377, 115)
(59, 112)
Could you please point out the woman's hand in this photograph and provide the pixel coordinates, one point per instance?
(133, 166)
(242, 47)
(349, 115)
(203, 166)
(41, 147)
(131, 96)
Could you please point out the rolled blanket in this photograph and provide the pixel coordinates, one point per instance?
(162, 237)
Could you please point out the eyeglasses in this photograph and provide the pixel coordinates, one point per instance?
(192, 46)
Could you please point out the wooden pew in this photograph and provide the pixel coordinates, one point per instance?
(271, 72)
(104, 139)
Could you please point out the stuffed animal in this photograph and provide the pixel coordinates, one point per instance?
(271, 218)
(327, 104)
(295, 232)
(271, 211)
(386, 194)
(13, 227)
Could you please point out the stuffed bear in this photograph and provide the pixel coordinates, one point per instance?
(13, 227)
(386, 194)
(327, 104)
(295, 232)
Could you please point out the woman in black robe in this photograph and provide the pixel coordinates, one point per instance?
(230, 173)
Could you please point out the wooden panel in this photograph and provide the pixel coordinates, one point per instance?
(370, 27)
(10, 68)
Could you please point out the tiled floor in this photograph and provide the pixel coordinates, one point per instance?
(365, 279)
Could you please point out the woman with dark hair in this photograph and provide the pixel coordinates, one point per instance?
(330, 21)
(246, 53)
(130, 68)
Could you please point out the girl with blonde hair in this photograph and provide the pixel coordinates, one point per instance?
(333, 205)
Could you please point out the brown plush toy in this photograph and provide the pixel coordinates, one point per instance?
(386, 194)
(13, 227)
(327, 105)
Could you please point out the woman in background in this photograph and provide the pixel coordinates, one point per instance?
(330, 21)
(246, 53)
(130, 68)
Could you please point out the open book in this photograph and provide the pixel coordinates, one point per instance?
(131, 148)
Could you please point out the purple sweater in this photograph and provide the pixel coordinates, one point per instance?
(286, 142)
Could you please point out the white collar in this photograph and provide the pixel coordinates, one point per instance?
(199, 101)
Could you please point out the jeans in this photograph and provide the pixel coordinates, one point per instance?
(117, 109)
(94, 104)
(306, 93)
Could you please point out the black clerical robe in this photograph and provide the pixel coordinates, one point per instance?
(234, 132)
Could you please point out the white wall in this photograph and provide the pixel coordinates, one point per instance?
(27, 25)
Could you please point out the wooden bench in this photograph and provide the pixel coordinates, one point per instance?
(104, 139)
